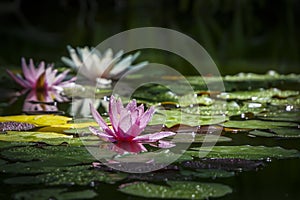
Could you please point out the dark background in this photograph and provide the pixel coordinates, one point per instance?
(240, 35)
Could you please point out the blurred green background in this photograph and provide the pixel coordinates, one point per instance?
(240, 35)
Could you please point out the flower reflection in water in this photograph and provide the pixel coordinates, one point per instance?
(123, 147)
(39, 102)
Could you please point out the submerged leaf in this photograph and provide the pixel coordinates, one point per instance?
(176, 190)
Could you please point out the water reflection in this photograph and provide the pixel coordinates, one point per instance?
(124, 147)
(81, 106)
(121, 147)
(41, 102)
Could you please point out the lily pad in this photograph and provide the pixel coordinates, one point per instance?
(15, 126)
(199, 138)
(207, 173)
(79, 175)
(225, 108)
(281, 116)
(278, 132)
(37, 120)
(173, 117)
(258, 94)
(257, 124)
(244, 152)
(51, 138)
(228, 164)
(62, 155)
(176, 190)
(53, 193)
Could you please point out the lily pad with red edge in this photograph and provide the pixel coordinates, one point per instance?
(15, 126)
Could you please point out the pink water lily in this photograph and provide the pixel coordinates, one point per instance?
(41, 78)
(127, 123)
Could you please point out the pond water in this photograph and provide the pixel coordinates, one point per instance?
(256, 156)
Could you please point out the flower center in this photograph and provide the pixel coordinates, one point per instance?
(40, 83)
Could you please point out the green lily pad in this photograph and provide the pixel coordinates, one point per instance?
(51, 138)
(72, 175)
(62, 155)
(258, 94)
(173, 117)
(207, 173)
(4, 144)
(269, 76)
(280, 116)
(244, 152)
(278, 132)
(225, 108)
(79, 175)
(257, 124)
(199, 138)
(176, 190)
(191, 99)
(51, 193)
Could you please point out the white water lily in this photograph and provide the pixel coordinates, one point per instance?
(101, 68)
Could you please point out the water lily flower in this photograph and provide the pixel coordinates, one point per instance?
(98, 67)
(127, 123)
(41, 78)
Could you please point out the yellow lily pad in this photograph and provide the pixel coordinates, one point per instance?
(37, 120)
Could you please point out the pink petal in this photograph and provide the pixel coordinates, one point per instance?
(115, 109)
(124, 123)
(165, 144)
(60, 77)
(131, 106)
(153, 137)
(132, 147)
(27, 72)
(102, 135)
(146, 117)
(100, 121)
(19, 80)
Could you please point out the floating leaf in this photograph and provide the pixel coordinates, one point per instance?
(225, 108)
(64, 127)
(53, 193)
(281, 116)
(229, 164)
(15, 126)
(207, 173)
(258, 94)
(257, 124)
(173, 117)
(38, 120)
(176, 190)
(243, 152)
(79, 175)
(199, 138)
(62, 155)
(13, 136)
(278, 132)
